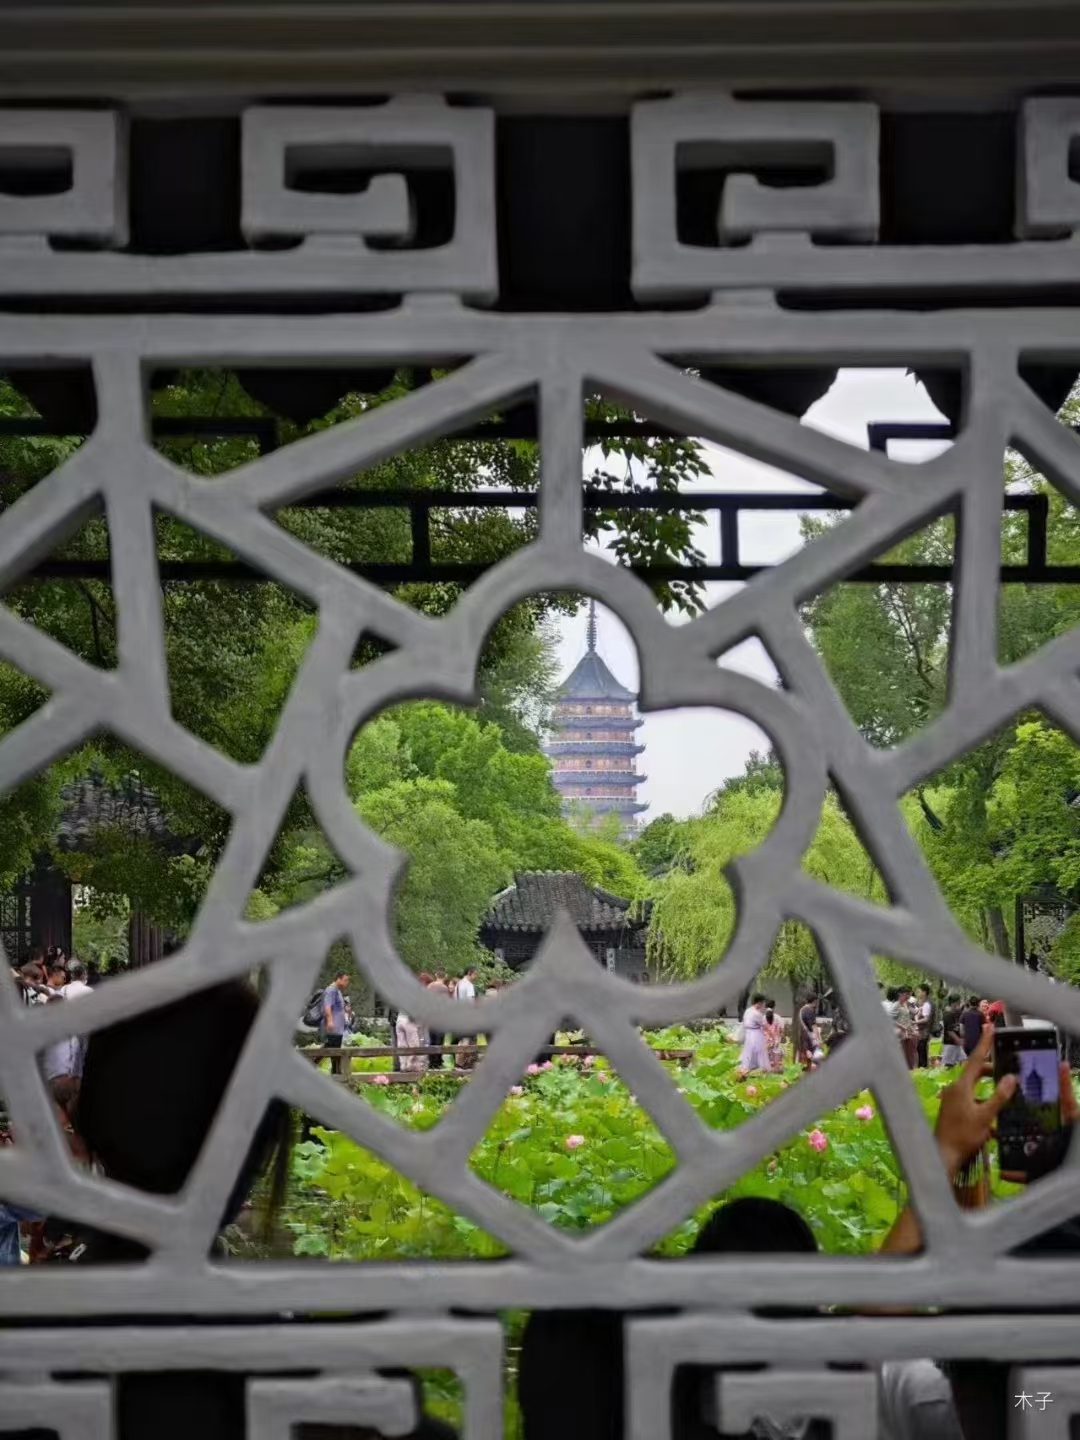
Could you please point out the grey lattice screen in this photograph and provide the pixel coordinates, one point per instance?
(556, 358)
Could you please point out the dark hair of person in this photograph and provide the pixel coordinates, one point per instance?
(973, 1002)
(64, 1089)
(952, 999)
(770, 1013)
(892, 993)
(581, 1352)
(153, 1083)
(757, 999)
(338, 974)
(754, 1225)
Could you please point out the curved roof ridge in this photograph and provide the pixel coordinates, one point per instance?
(591, 679)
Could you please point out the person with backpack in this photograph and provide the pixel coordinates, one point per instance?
(925, 1020)
(333, 1016)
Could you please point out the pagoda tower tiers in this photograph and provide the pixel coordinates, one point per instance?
(594, 749)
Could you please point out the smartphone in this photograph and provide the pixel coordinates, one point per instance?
(1030, 1135)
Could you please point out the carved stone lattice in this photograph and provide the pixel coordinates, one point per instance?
(554, 359)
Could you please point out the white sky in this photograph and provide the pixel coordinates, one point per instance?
(691, 751)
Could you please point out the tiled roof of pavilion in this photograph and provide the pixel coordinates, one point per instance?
(91, 804)
(532, 901)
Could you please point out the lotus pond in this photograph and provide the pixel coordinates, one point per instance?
(573, 1144)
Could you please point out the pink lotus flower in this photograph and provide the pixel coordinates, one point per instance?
(546, 1065)
(682, 1089)
(588, 1061)
(818, 1140)
(380, 1079)
(751, 1089)
(516, 1090)
(532, 1069)
(575, 1142)
(864, 1112)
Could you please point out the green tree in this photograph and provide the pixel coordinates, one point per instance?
(980, 822)
(511, 792)
(455, 867)
(657, 847)
(233, 649)
(693, 914)
(760, 773)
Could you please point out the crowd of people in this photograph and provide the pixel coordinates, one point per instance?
(49, 977)
(762, 1034)
(915, 1017)
(914, 1012)
(111, 1113)
(410, 1036)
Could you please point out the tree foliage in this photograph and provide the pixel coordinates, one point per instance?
(998, 822)
(442, 785)
(233, 649)
(694, 909)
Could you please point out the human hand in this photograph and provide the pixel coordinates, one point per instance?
(965, 1123)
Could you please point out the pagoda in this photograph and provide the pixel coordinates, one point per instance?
(594, 749)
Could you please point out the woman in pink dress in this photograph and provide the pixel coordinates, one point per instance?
(754, 1055)
(774, 1036)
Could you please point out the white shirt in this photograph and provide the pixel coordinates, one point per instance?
(65, 1057)
(61, 1058)
(926, 1009)
(465, 989)
(916, 1402)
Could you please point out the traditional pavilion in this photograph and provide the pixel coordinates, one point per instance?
(613, 928)
(37, 909)
(594, 749)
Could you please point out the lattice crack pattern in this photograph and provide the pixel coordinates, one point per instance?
(553, 360)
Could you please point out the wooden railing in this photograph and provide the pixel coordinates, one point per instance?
(469, 1052)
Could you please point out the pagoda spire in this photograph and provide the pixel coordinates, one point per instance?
(591, 631)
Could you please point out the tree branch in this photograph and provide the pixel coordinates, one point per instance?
(934, 821)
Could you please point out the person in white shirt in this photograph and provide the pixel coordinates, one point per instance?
(76, 983)
(924, 1025)
(65, 1057)
(465, 989)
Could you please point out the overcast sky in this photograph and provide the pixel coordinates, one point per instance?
(689, 752)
